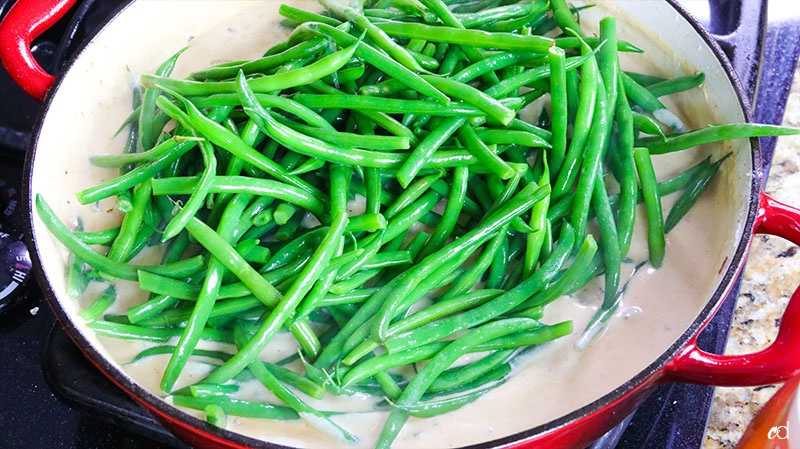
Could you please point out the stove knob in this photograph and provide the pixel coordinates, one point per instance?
(15, 270)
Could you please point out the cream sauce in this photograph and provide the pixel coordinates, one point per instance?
(556, 379)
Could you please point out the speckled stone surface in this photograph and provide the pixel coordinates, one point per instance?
(770, 277)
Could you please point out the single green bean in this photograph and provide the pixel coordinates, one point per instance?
(710, 134)
(172, 150)
(101, 263)
(237, 407)
(473, 38)
(268, 83)
(243, 184)
(675, 85)
(262, 65)
(198, 195)
(652, 200)
(692, 193)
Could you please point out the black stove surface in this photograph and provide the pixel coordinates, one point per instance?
(51, 397)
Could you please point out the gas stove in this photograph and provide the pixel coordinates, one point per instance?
(51, 397)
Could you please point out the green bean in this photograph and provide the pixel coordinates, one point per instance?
(376, 35)
(253, 252)
(367, 222)
(233, 143)
(675, 85)
(301, 16)
(647, 124)
(500, 13)
(285, 215)
(652, 201)
(162, 285)
(181, 315)
(149, 124)
(646, 100)
(609, 240)
(223, 252)
(268, 83)
(243, 184)
(101, 237)
(538, 222)
(101, 263)
(149, 334)
(293, 250)
(532, 75)
(558, 106)
(595, 147)
(345, 139)
(122, 246)
(710, 134)
(198, 195)
(212, 389)
(483, 153)
(443, 308)
(385, 105)
(411, 194)
(645, 79)
(100, 304)
(438, 407)
(297, 381)
(384, 362)
(672, 185)
(452, 211)
(456, 90)
(287, 396)
(565, 19)
(493, 63)
(536, 336)
(425, 149)
(171, 150)
(151, 308)
(473, 38)
(288, 105)
(263, 65)
(237, 407)
(692, 193)
(311, 146)
(609, 58)
(472, 54)
(455, 377)
(626, 215)
(574, 275)
(215, 415)
(581, 127)
(206, 298)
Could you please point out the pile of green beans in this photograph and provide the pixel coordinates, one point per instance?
(374, 185)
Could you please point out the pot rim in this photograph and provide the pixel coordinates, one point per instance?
(649, 375)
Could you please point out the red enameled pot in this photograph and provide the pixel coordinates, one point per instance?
(94, 92)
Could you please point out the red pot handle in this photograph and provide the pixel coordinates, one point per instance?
(778, 362)
(25, 21)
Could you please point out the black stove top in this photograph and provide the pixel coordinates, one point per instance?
(51, 397)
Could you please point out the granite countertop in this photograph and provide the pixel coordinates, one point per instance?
(770, 277)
